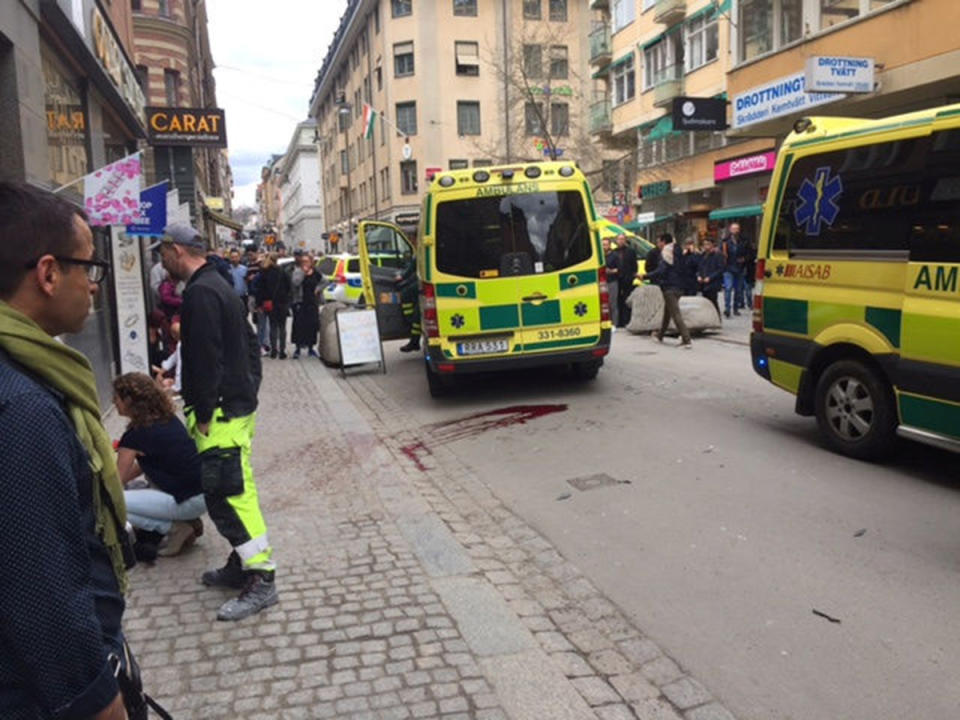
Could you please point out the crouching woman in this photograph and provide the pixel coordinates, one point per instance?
(166, 513)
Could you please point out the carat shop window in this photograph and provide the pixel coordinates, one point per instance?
(768, 25)
(889, 199)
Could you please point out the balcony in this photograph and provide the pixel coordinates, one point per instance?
(667, 84)
(669, 12)
(599, 4)
(600, 46)
(601, 119)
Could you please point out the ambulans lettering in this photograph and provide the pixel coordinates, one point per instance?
(495, 190)
(943, 279)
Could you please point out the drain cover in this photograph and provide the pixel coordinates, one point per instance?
(592, 482)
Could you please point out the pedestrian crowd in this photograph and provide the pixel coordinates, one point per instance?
(686, 268)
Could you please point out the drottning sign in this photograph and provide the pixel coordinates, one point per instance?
(837, 74)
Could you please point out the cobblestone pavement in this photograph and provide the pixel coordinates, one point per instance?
(407, 590)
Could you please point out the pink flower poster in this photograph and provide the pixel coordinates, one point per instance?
(112, 193)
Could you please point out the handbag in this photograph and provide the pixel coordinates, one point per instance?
(136, 702)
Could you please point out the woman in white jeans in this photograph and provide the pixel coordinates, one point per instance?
(156, 444)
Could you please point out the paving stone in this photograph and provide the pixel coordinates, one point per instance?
(686, 693)
(661, 671)
(614, 712)
(634, 687)
(655, 709)
(595, 691)
(609, 662)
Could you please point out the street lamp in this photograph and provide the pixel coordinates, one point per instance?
(344, 111)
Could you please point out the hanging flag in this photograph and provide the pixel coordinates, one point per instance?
(368, 116)
(112, 193)
(152, 218)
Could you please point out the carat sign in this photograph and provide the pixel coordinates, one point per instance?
(839, 74)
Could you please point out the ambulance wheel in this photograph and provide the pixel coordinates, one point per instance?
(586, 370)
(439, 385)
(855, 410)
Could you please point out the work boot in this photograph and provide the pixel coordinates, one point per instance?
(259, 592)
(229, 576)
(414, 344)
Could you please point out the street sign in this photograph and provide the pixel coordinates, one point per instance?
(839, 74)
(645, 218)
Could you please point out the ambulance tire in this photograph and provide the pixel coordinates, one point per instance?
(587, 370)
(439, 385)
(855, 410)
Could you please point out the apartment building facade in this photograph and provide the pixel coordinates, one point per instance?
(175, 67)
(753, 54)
(454, 83)
(301, 199)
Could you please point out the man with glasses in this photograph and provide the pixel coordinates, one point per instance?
(220, 380)
(62, 515)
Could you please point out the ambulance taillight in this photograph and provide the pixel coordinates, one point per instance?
(428, 308)
(758, 295)
(604, 296)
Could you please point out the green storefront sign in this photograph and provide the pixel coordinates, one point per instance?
(657, 189)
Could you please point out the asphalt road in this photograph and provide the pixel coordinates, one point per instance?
(723, 525)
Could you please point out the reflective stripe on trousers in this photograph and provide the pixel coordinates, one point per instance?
(229, 488)
(411, 312)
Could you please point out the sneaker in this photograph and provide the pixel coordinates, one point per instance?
(229, 576)
(259, 592)
(282, 355)
(296, 354)
(181, 536)
(657, 335)
(687, 345)
(726, 313)
(273, 354)
(312, 353)
(414, 344)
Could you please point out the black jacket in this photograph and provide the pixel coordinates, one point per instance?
(688, 266)
(711, 268)
(220, 353)
(652, 261)
(670, 276)
(275, 285)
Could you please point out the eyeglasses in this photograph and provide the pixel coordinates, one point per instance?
(96, 269)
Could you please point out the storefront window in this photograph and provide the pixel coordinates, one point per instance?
(66, 124)
(115, 142)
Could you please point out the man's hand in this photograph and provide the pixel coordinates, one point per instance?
(113, 711)
(203, 428)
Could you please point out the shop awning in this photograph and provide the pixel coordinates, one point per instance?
(602, 72)
(637, 226)
(736, 212)
(621, 60)
(222, 219)
(662, 128)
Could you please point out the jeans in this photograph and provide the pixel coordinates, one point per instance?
(263, 328)
(732, 289)
(278, 330)
(748, 294)
(155, 510)
(613, 290)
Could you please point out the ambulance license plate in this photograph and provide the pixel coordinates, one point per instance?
(483, 347)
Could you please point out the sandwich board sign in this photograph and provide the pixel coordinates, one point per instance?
(359, 338)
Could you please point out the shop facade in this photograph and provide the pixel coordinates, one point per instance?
(71, 105)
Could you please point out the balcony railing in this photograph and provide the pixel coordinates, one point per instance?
(601, 118)
(667, 84)
(669, 12)
(600, 47)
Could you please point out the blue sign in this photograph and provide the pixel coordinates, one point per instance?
(153, 212)
(818, 201)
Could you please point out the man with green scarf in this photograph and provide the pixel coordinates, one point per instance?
(61, 502)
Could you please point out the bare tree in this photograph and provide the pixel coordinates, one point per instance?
(535, 75)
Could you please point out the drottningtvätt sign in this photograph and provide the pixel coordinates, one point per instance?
(781, 97)
(834, 74)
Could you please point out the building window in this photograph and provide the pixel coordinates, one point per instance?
(532, 116)
(558, 10)
(834, 12)
(459, 164)
(407, 118)
(385, 183)
(467, 58)
(624, 81)
(661, 63)
(171, 87)
(378, 72)
(482, 163)
(163, 8)
(403, 59)
(559, 119)
(143, 79)
(624, 13)
(559, 68)
(531, 9)
(532, 62)
(756, 28)
(376, 19)
(702, 40)
(791, 20)
(136, 5)
(344, 162)
(468, 118)
(401, 8)
(465, 7)
(408, 177)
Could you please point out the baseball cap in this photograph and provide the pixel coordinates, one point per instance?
(181, 234)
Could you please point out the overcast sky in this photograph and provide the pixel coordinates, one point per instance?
(267, 55)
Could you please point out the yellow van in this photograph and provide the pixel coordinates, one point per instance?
(511, 272)
(856, 308)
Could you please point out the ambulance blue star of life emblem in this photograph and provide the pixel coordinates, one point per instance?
(580, 309)
(817, 201)
(458, 321)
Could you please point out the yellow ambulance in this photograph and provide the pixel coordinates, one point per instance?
(511, 272)
(856, 308)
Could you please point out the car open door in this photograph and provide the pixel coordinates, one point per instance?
(385, 253)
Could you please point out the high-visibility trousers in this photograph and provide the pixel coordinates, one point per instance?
(411, 313)
(228, 486)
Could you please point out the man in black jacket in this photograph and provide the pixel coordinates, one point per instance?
(669, 276)
(221, 377)
(710, 272)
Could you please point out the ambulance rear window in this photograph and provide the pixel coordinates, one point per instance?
(520, 234)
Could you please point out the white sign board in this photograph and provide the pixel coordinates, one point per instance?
(359, 337)
(834, 74)
(783, 96)
(131, 305)
(645, 218)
